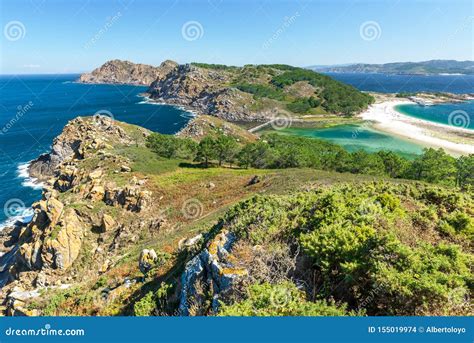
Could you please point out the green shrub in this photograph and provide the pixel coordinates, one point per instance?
(361, 240)
(169, 146)
(280, 300)
(145, 306)
(261, 91)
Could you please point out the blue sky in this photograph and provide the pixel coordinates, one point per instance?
(53, 36)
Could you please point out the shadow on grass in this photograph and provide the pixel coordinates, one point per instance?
(209, 166)
(193, 165)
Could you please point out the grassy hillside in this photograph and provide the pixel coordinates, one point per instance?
(304, 241)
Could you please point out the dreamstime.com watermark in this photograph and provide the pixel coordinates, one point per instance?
(45, 331)
(370, 30)
(98, 35)
(21, 111)
(287, 22)
(192, 30)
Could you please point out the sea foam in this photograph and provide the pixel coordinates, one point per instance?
(28, 180)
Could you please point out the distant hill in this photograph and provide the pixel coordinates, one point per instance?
(433, 67)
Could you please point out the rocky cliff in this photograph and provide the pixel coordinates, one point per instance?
(249, 93)
(203, 90)
(125, 72)
(88, 213)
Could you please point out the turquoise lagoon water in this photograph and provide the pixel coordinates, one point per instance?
(359, 137)
(454, 114)
(363, 137)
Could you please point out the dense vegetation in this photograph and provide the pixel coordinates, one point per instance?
(274, 81)
(335, 97)
(378, 247)
(278, 151)
(283, 299)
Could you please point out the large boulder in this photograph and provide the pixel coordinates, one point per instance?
(62, 248)
(108, 223)
(214, 267)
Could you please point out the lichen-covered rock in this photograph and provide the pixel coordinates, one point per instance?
(147, 260)
(133, 198)
(79, 138)
(213, 266)
(97, 192)
(64, 243)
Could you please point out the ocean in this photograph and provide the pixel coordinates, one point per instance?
(383, 83)
(455, 114)
(34, 110)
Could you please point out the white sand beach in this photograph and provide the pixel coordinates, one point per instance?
(456, 141)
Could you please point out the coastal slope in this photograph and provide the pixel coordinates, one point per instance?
(122, 230)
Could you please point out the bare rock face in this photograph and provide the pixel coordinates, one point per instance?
(132, 198)
(53, 238)
(213, 268)
(78, 137)
(64, 245)
(88, 208)
(108, 223)
(125, 72)
(146, 260)
(203, 90)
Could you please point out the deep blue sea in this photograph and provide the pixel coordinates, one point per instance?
(34, 109)
(383, 83)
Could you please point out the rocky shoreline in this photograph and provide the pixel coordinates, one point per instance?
(41, 253)
(93, 211)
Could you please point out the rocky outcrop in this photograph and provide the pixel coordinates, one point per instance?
(133, 198)
(53, 239)
(212, 270)
(203, 125)
(205, 91)
(147, 259)
(78, 137)
(84, 213)
(125, 72)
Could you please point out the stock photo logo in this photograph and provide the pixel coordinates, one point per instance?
(281, 121)
(370, 30)
(14, 208)
(192, 30)
(460, 119)
(104, 118)
(14, 30)
(192, 209)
